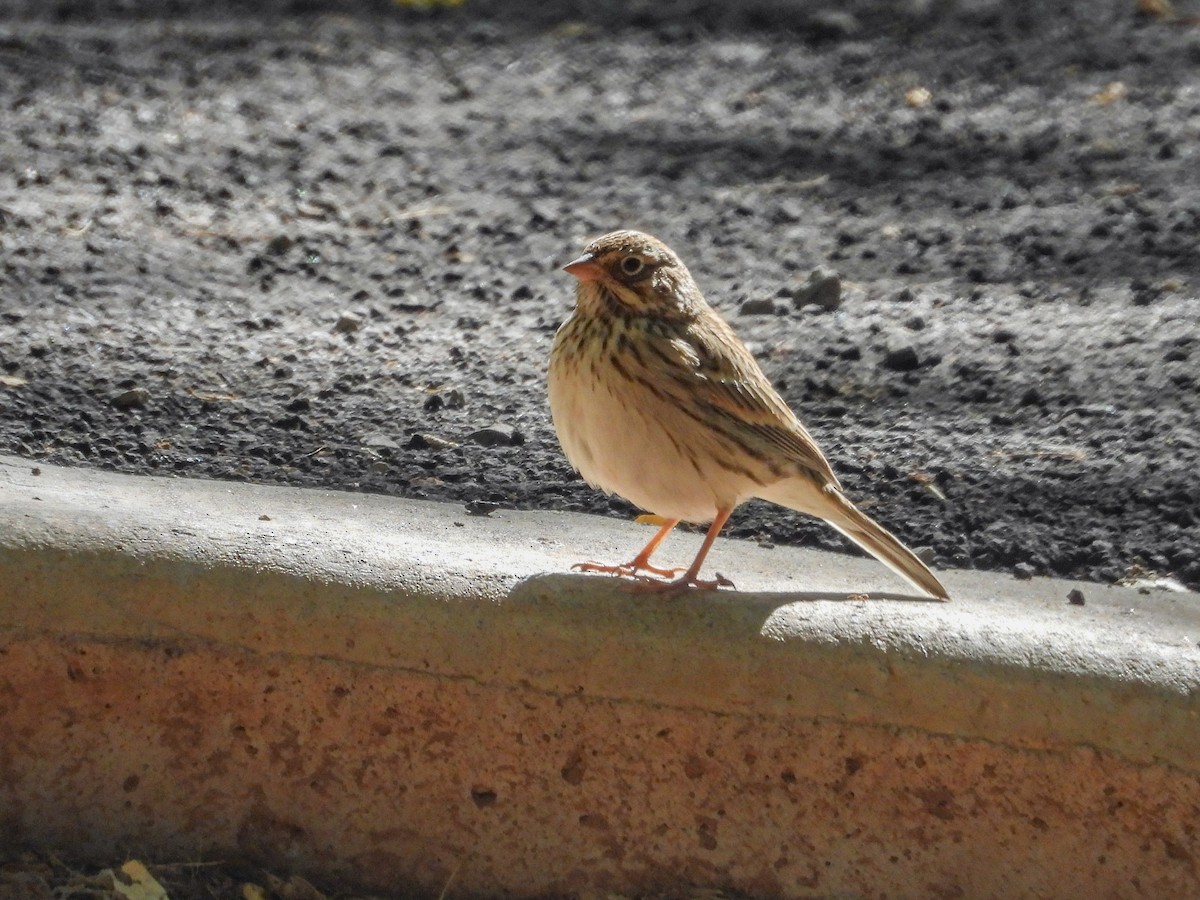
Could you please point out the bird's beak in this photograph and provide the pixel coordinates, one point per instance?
(585, 268)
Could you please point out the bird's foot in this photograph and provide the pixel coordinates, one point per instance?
(639, 570)
(679, 585)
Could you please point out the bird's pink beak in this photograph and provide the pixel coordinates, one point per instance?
(585, 268)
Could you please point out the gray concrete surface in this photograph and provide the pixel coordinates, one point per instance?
(395, 692)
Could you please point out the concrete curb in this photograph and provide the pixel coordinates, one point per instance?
(392, 692)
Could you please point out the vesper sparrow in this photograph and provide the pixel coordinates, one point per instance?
(656, 399)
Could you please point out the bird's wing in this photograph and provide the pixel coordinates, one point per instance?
(721, 374)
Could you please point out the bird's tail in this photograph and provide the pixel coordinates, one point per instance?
(836, 509)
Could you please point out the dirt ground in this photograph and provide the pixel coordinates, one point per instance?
(317, 243)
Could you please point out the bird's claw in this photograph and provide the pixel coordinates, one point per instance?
(640, 571)
(646, 578)
(671, 588)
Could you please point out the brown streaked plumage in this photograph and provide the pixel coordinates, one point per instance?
(656, 399)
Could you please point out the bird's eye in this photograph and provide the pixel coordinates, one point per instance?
(631, 265)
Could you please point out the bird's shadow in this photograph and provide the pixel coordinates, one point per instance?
(579, 588)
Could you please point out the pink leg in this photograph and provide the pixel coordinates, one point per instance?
(691, 578)
(641, 562)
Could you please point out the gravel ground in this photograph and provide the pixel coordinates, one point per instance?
(43, 876)
(317, 244)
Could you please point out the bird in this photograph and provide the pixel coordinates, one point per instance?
(655, 398)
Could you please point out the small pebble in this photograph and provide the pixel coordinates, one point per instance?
(131, 399)
(290, 422)
(280, 244)
(832, 24)
(451, 399)
(918, 97)
(498, 436)
(1075, 597)
(429, 442)
(347, 323)
(762, 307)
(902, 359)
(481, 507)
(823, 288)
(1023, 571)
(856, 53)
(379, 441)
(1032, 397)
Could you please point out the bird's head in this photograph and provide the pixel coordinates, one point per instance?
(636, 271)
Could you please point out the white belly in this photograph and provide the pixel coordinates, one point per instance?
(627, 441)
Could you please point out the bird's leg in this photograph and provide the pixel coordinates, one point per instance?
(640, 563)
(691, 578)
